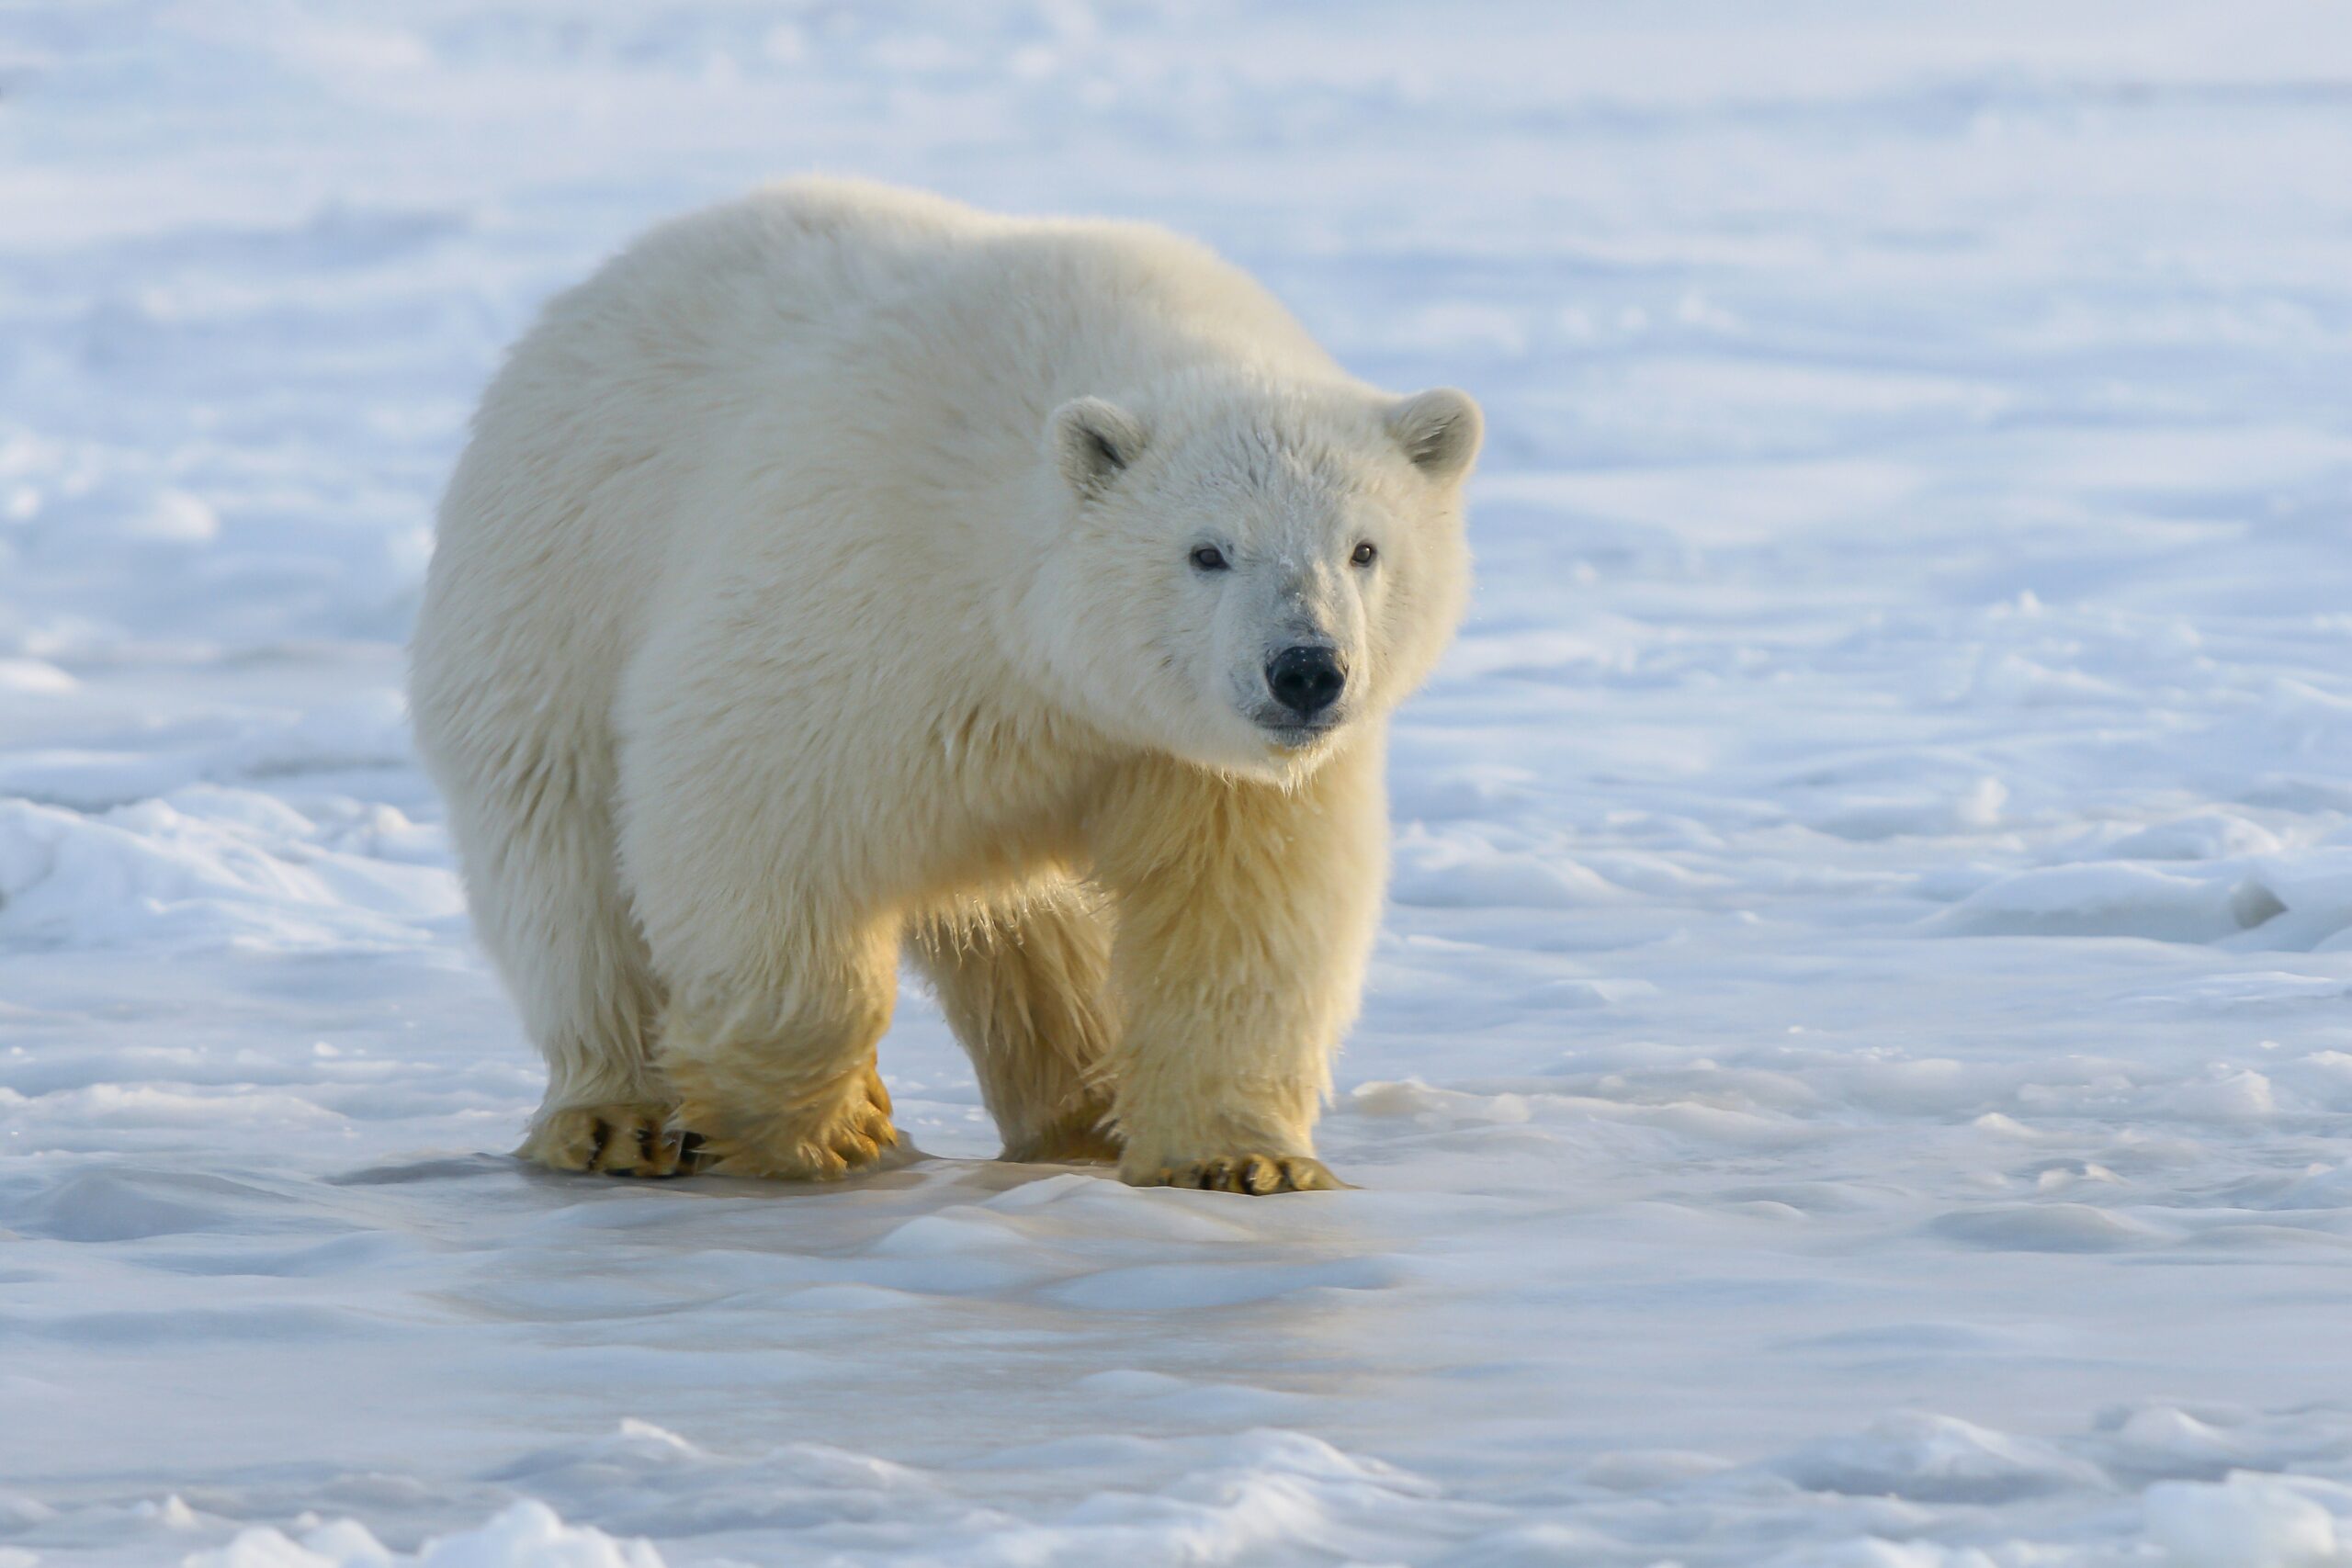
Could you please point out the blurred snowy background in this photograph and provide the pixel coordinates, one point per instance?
(1859, 1064)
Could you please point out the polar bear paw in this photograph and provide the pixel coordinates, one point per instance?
(629, 1139)
(1256, 1174)
(802, 1145)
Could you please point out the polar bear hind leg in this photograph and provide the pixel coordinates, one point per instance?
(774, 1060)
(534, 829)
(1024, 984)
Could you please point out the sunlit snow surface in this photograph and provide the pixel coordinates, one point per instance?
(1859, 1070)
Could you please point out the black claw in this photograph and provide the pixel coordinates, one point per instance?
(596, 1142)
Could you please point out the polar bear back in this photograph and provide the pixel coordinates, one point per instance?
(744, 385)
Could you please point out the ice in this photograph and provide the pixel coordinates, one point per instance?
(1857, 1065)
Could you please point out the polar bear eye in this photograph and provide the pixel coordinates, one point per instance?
(1208, 557)
(1365, 555)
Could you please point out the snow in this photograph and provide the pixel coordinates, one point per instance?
(528, 1535)
(2247, 1518)
(1858, 1069)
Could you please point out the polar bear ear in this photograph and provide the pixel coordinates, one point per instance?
(1440, 431)
(1093, 440)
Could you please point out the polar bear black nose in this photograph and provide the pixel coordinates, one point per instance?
(1305, 680)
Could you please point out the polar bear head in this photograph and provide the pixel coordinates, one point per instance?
(1245, 576)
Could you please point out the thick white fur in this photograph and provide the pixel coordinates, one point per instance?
(819, 579)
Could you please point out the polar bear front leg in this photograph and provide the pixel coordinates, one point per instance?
(773, 1065)
(1245, 915)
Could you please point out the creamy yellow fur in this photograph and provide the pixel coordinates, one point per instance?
(1026, 985)
(821, 585)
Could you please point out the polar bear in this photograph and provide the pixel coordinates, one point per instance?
(844, 573)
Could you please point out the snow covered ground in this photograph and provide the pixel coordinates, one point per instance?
(1859, 1070)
